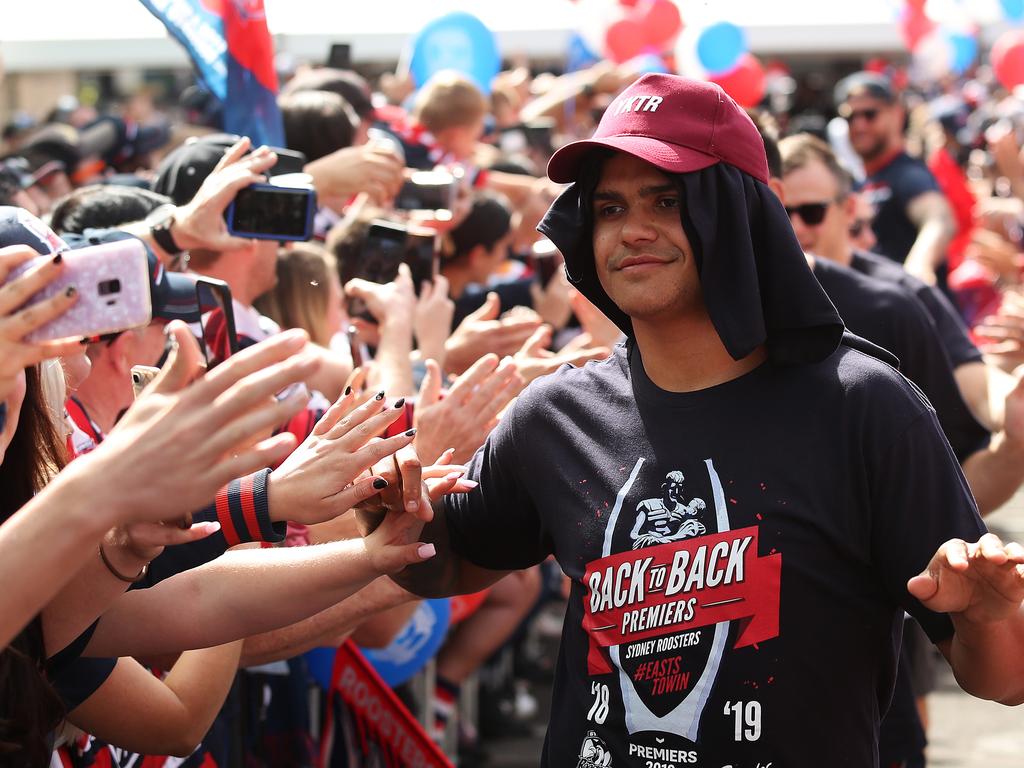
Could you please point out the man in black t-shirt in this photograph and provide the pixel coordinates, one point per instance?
(769, 637)
(913, 221)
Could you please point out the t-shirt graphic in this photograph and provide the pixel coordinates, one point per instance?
(661, 611)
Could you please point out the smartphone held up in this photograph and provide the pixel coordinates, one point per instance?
(113, 285)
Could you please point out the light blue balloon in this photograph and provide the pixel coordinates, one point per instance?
(965, 51)
(415, 644)
(720, 46)
(1013, 9)
(458, 41)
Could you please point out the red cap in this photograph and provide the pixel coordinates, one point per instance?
(675, 123)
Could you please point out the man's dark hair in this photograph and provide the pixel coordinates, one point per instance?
(101, 206)
(347, 241)
(317, 123)
(10, 185)
(804, 148)
(489, 220)
(344, 82)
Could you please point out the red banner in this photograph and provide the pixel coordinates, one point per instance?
(648, 593)
(380, 715)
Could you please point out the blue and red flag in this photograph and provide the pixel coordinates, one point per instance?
(230, 45)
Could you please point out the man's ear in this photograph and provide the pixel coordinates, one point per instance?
(775, 185)
(121, 351)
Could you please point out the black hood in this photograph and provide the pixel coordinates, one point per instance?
(756, 283)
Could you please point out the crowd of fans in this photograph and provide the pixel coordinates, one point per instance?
(144, 531)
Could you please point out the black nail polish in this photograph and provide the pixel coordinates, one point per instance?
(410, 433)
(380, 395)
(70, 291)
(380, 483)
(400, 403)
(58, 258)
(348, 391)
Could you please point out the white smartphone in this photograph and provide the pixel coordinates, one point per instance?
(112, 280)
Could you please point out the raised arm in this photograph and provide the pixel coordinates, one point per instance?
(935, 228)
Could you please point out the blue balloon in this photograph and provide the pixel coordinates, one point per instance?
(720, 46)
(965, 51)
(458, 41)
(1013, 9)
(415, 645)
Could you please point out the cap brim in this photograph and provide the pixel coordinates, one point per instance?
(564, 166)
(177, 299)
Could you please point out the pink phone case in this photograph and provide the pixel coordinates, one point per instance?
(112, 280)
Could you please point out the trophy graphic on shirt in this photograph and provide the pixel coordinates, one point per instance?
(670, 518)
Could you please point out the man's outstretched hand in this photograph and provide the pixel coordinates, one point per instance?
(982, 582)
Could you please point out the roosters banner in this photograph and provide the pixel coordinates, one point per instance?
(367, 725)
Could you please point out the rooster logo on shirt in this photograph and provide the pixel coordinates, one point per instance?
(670, 518)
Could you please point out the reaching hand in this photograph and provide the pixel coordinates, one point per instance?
(394, 543)
(175, 447)
(534, 359)
(327, 475)
(552, 300)
(200, 223)
(464, 418)
(370, 168)
(130, 547)
(481, 332)
(432, 321)
(16, 322)
(982, 582)
(387, 302)
(603, 332)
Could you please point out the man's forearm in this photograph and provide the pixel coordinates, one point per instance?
(392, 359)
(446, 573)
(994, 473)
(328, 625)
(987, 659)
(929, 249)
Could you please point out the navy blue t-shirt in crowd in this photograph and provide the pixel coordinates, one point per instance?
(890, 189)
(738, 555)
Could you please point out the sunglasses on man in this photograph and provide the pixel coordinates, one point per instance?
(811, 214)
(853, 115)
(857, 227)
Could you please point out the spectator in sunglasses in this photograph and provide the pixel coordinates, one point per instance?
(862, 233)
(914, 224)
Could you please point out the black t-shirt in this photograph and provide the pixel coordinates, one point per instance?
(893, 318)
(948, 322)
(738, 555)
(890, 190)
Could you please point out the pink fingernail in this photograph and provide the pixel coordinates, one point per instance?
(211, 527)
(412, 506)
(469, 484)
(426, 551)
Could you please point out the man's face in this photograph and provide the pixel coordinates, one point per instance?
(643, 258)
(809, 191)
(874, 125)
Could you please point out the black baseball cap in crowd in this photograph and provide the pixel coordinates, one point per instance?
(173, 294)
(864, 84)
(757, 286)
(183, 171)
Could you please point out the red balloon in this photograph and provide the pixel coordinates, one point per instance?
(661, 21)
(914, 25)
(628, 3)
(1008, 58)
(745, 83)
(624, 39)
